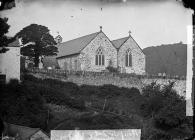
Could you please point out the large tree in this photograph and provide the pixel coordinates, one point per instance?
(37, 41)
(4, 27)
(7, 4)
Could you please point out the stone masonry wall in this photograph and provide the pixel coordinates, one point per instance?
(129, 82)
(180, 85)
(120, 80)
(138, 58)
(87, 56)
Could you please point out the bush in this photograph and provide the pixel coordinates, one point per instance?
(57, 92)
(88, 92)
(112, 69)
(151, 90)
(22, 104)
(109, 91)
(166, 109)
(28, 77)
(58, 97)
(163, 109)
(99, 121)
(130, 93)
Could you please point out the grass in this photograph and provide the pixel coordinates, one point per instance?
(96, 107)
(74, 98)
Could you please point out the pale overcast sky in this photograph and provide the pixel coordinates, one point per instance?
(152, 23)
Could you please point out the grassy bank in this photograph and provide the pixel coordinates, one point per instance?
(53, 104)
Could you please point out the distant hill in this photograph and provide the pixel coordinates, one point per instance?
(169, 58)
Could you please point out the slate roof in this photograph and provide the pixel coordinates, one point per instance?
(75, 46)
(23, 131)
(15, 43)
(118, 42)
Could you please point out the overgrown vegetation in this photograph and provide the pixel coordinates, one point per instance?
(4, 39)
(159, 112)
(22, 104)
(112, 69)
(164, 110)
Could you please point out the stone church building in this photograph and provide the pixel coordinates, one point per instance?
(95, 52)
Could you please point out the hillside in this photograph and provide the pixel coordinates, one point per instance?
(169, 58)
(56, 105)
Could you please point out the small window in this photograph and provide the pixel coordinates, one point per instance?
(99, 58)
(128, 58)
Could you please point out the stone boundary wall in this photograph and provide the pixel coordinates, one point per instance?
(105, 73)
(117, 79)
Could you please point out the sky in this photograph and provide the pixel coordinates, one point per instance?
(151, 23)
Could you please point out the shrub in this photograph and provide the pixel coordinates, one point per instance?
(13, 83)
(135, 90)
(112, 69)
(163, 108)
(151, 89)
(171, 115)
(152, 106)
(28, 77)
(56, 92)
(109, 91)
(58, 97)
(88, 92)
(166, 109)
(22, 104)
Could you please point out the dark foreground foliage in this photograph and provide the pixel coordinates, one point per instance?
(21, 104)
(160, 113)
(165, 113)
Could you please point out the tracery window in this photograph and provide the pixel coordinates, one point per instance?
(128, 58)
(99, 58)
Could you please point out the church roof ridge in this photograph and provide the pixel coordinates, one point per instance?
(79, 37)
(121, 38)
(120, 41)
(74, 46)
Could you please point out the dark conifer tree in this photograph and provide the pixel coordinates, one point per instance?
(38, 42)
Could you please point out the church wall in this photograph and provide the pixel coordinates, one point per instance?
(87, 56)
(70, 63)
(138, 58)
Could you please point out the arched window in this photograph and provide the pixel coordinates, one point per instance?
(99, 58)
(128, 58)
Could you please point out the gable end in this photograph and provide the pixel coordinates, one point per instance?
(137, 45)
